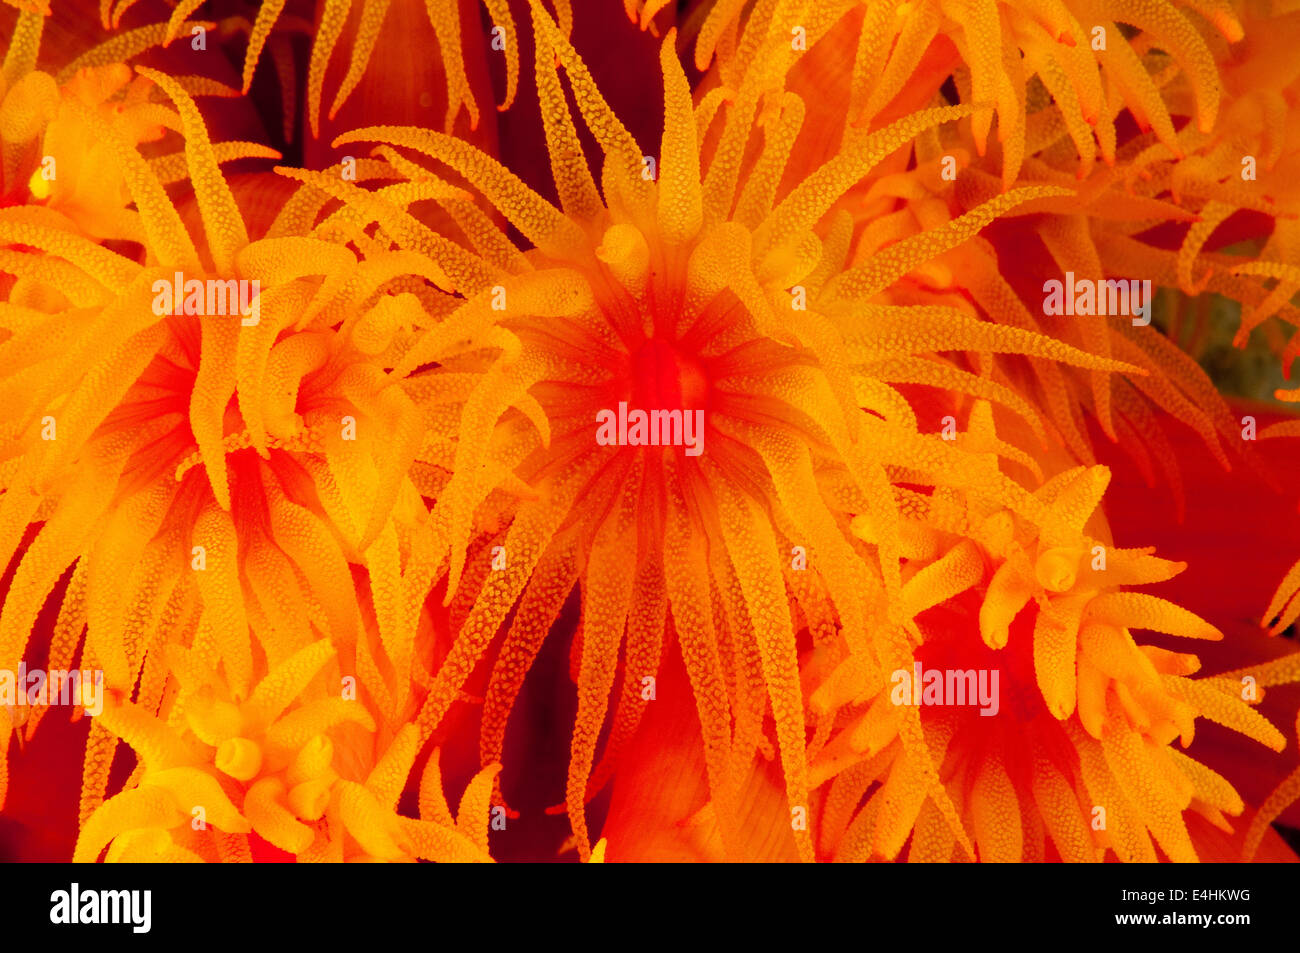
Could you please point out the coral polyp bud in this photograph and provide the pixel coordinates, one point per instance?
(241, 758)
(312, 760)
(215, 721)
(1057, 569)
(272, 821)
(309, 799)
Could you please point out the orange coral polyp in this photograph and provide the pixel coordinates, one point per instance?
(678, 297)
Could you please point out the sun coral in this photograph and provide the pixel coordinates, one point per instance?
(1091, 711)
(237, 460)
(672, 300)
(775, 407)
(269, 766)
(445, 16)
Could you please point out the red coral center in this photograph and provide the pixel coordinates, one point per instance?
(662, 378)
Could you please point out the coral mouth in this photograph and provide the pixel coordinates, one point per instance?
(661, 376)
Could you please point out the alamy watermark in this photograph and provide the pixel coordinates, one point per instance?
(937, 686)
(653, 428)
(76, 906)
(55, 687)
(1084, 296)
(213, 296)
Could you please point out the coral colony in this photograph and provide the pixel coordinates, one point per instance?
(795, 391)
